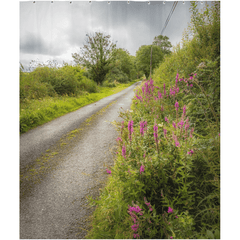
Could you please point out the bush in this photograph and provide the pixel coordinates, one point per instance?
(32, 88)
(51, 81)
(88, 85)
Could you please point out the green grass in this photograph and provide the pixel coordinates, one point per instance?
(36, 112)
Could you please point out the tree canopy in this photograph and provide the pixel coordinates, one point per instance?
(96, 55)
(163, 42)
(143, 57)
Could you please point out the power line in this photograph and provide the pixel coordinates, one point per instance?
(169, 16)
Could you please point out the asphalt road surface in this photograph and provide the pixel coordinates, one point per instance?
(64, 161)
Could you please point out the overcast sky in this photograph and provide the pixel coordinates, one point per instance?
(53, 31)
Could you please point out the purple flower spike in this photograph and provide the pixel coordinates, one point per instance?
(124, 151)
(155, 132)
(176, 106)
(170, 210)
(142, 169)
(130, 129)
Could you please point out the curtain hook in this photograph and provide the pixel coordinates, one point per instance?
(163, 2)
(109, 2)
(128, 2)
(90, 2)
(148, 2)
(183, 2)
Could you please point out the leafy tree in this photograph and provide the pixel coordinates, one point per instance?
(96, 55)
(205, 29)
(123, 69)
(143, 58)
(164, 43)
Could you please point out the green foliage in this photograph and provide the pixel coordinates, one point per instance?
(181, 171)
(46, 81)
(205, 26)
(143, 58)
(96, 55)
(201, 43)
(123, 68)
(34, 112)
(33, 88)
(164, 43)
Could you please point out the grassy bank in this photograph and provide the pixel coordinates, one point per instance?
(34, 112)
(165, 182)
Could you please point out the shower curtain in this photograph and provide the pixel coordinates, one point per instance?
(151, 70)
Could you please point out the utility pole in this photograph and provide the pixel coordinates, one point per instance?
(151, 63)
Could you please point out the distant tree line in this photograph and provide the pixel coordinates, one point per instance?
(107, 63)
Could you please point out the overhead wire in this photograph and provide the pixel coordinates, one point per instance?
(169, 16)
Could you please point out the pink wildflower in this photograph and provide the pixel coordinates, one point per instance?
(124, 151)
(164, 87)
(190, 152)
(119, 139)
(174, 125)
(143, 125)
(135, 227)
(108, 171)
(130, 129)
(166, 119)
(176, 106)
(170, 210)
(135, 235)
(171, 237)
(159, 95)
(142, 169)
(180, 124)
(177, 78)
(187, 124)
(155, 132)
(176, 216)
(177, 144)
(184, 110)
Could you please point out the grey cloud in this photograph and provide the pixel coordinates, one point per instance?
(35, 44)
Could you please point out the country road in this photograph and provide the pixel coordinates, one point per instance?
(64, 161)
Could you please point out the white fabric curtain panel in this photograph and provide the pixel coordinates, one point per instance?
(119, 119)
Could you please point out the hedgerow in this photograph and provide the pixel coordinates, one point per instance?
(165, 180)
